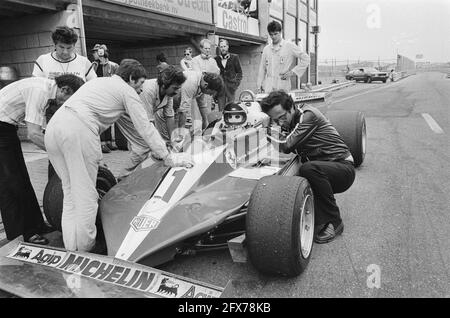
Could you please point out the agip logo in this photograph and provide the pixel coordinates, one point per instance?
(144, 223)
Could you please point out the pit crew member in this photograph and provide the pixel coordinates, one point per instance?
(73, 145)
(193, 97)
(26, 99)
(327, 161)
(277, 64)
(157, 97)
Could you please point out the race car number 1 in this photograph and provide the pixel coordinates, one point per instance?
(178, 176)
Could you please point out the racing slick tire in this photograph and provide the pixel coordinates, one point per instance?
(280, 225)
(352, 128)
(53, 195)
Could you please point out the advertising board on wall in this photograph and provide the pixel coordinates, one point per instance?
(276, 9)
(235, 21)
(196, 10)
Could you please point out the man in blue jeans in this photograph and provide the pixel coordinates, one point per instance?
(327, 161)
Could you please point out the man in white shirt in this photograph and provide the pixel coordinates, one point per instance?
(157, 97)
(73, 145)
(278, 59)
(204, 62)
(26, 100)
(64, 59)
(193, 97)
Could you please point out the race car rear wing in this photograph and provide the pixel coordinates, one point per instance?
(28, 270)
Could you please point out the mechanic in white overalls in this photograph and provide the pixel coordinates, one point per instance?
(277, 64)
(157, 97)
(73, 144)
(193, 97)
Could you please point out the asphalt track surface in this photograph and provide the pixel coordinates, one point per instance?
(396, 214)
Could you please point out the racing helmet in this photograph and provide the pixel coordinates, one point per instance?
(234, 114)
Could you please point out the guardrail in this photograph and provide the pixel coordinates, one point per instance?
(334, 87)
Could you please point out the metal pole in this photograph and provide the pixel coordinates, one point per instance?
(82, 33)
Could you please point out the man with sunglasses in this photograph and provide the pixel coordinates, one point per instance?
(186, 61)
(327, 161)
(277, 64)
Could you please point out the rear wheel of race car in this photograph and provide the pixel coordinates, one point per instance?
(352, 128)
(53, 195)
(280, 225)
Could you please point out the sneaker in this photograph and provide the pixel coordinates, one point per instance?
(105, 149)
(328, 233)
(37, 239)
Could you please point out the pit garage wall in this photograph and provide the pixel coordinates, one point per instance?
(248, 55)
(24, 39)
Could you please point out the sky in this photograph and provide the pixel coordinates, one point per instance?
(378, 29)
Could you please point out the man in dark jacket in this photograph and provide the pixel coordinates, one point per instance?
(327, 161)
(231, 72)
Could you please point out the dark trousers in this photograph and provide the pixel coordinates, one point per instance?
(227, 96)
(19, 206)
(106, 136)
(327, 178)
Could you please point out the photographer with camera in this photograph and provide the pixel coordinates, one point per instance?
(104, 68)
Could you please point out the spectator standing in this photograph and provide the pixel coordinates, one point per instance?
(231, 72)
(186, 61)
(104, 68)
(278, 62)
(204, 62)
(162, 62)
(64, 59)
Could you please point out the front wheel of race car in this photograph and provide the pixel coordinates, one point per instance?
(351, 126)
(280, 225)
(53, 195)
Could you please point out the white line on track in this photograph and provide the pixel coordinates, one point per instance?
(360, 94)
(432, 123)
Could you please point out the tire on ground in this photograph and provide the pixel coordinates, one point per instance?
(351, 125)
(53, 195)
(273, 225)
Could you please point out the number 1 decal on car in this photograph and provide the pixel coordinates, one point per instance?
(179, 175)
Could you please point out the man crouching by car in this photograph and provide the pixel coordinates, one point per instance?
(327, 161)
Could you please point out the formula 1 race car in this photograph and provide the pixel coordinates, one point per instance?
(242, 194)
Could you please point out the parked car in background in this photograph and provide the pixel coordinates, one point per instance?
(370, 74)
(349, 75)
